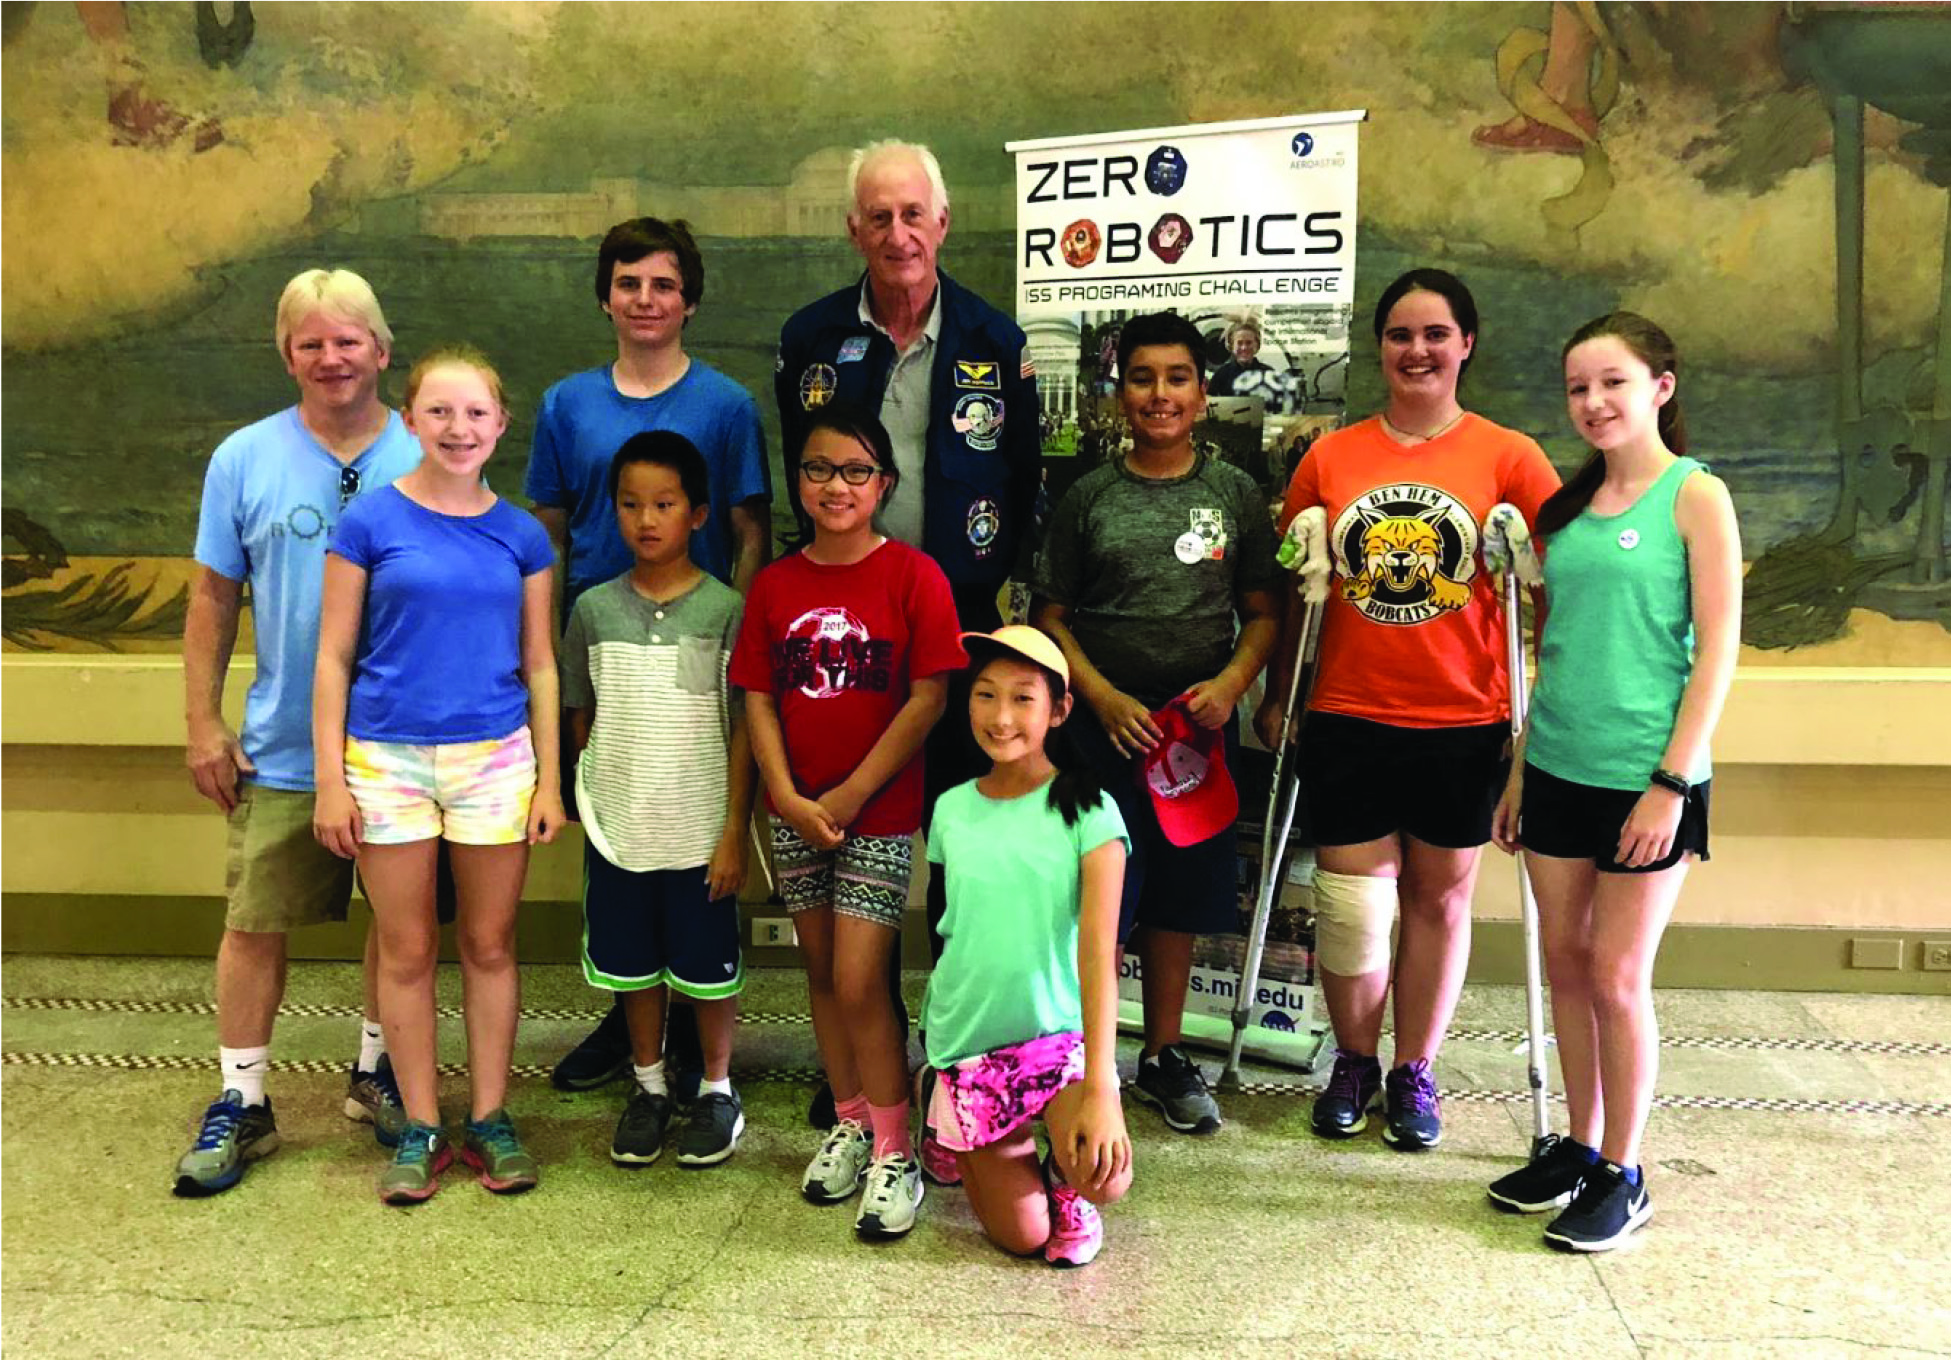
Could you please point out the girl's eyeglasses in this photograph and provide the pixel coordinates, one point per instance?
(853, 474)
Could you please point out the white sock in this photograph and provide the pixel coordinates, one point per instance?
(652, 1078)
(244, 1071)
(372, 1045)
(715, 1088)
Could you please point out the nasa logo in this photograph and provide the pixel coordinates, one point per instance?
(1165, 171)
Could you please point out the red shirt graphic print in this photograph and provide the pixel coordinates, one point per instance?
(837, 648)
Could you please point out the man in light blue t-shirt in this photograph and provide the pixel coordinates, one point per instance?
(650, 277)
(273, 491)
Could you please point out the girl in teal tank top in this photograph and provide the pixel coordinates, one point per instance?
(1608, 800)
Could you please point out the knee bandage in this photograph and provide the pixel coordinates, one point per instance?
(1352, 918)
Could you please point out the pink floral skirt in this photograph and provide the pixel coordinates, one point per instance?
(984, 1099)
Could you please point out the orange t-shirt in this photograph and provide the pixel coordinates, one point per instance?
(1413, 633)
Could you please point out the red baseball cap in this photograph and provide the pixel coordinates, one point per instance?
(1193, 794)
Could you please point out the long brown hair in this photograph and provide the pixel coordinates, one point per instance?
(1652, 347)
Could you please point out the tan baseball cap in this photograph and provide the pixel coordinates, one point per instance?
(1032, 644)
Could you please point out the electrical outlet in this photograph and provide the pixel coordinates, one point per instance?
(1937, 956)
(1876, 952)
(771, 931)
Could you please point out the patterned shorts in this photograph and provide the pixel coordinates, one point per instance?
(468, 792)
(984, 1099)
(867, 876)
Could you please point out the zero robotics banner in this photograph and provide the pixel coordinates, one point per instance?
(1248, 230)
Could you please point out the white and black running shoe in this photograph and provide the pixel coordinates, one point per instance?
(1547, 1181)
(894, 1192)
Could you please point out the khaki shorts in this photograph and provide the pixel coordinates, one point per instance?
(277, 876)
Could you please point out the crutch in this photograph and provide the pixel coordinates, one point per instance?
(1304, 550)
(1509, 552)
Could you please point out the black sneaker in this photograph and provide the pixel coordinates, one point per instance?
(820, 1114)
(1603, 1214)
(640, 1133)
(1175, 1084)
(602, 1057)
(1547, 1181)
(711, 1129)
(1412, 1112)
(1341, 1111)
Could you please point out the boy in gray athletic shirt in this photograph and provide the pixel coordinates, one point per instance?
(1148, 562)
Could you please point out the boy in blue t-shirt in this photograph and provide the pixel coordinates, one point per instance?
(650, 278)
(665, 785)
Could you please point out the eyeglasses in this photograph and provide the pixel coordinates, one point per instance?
(854, 474)
(348, 485)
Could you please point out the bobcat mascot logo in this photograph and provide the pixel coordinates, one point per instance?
(1406, 554)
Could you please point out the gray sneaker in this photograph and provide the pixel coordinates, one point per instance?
(233, 1135)
(839, 1166)
(1175, 1084)
(374, 1098)
(894, 1192)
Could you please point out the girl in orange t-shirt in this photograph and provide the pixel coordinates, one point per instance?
(1403, 753)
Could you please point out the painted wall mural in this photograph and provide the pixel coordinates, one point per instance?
(1771, 182)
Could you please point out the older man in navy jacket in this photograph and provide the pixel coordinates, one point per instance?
(950, 376)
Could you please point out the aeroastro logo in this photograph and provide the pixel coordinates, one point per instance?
(1305, 159)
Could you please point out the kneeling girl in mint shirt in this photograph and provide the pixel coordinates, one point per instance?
(1021, 1015)
(434, 717)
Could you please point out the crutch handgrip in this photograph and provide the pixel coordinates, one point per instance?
(1507, 544)
(1304, 551)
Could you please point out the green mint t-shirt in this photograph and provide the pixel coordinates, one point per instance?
(1008, 972)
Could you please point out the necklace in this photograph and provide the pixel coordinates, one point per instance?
(1409, 436)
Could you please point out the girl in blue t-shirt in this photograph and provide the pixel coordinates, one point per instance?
(1021, 1014)
(434, 717)
(1608, 794)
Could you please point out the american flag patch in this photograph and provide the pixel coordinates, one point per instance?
(1029, 365)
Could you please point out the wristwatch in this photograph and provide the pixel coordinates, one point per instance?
(1667, 779)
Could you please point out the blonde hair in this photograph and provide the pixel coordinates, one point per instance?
(338, 291)
(891, 149)
(463, 356)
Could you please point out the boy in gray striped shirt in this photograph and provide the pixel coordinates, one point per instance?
(665, 789)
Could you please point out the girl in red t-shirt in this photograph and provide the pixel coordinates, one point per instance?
(843, 656)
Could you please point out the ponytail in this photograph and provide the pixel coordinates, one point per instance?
(1075, 790)
(1652, 347)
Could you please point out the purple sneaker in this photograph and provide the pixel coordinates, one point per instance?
(1412, 1111)
(1341, 1111)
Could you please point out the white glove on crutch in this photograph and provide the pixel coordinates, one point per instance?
(1304, 551)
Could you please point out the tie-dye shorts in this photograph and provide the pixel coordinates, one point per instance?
(468, 792)
(984, 1099)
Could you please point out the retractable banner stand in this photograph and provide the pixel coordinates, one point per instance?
(1248, 230)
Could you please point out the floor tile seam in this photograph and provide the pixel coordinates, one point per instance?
(811, 1076)
(322, 1011)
